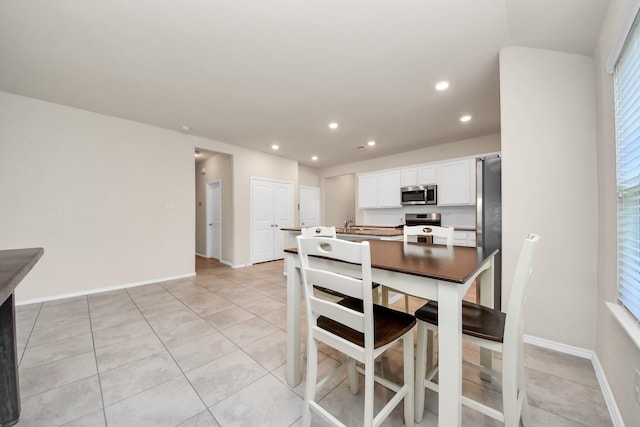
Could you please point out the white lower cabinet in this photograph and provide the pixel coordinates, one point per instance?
(460, 238)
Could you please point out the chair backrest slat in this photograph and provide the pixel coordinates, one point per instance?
(336, 282)
(315, 254)
(341, 314)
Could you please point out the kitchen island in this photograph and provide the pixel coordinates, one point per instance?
(14, 266)
(354, 232)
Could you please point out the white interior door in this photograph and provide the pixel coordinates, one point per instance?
(214, 208)
(283, 215)
(261, 220)
(271, 209)
(310, 204)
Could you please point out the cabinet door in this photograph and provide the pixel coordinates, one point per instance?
(426, 175)
(460, 238)
(389, 190)
(408, 177)
(456, 183)
(367, 191)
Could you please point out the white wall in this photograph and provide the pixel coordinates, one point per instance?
(338, 199)
(549, 187)
(618, 355)
(93, 190)
(308, 177)
(247, 164)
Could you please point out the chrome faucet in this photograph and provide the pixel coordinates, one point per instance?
(348, 220)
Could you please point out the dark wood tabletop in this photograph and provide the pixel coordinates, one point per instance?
(450, 263)
(14, 265)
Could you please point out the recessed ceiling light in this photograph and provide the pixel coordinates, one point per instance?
(371, 143)
(314, 158)
(442, 85)
(197, 154)
(333, 125)
(275, 146)
(465, 118)
(185, 128)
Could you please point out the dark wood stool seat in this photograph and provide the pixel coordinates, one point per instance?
(389, 324)
(477, 320)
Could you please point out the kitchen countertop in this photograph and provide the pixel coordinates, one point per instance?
(14, 265)
(381, 230)
(361, 231)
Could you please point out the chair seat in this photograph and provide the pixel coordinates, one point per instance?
(477, 320)
(389, 325)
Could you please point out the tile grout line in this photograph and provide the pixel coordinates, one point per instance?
(26, 344)
(95, 358)
(184, 375)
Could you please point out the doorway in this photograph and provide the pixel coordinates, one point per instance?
(271, 210)
(214, 214)
(310, 210)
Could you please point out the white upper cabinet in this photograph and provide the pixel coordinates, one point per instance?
(426, 175)
(408, 177)
(368, 191)
(389, 189)
(456, 182)
(379, 190)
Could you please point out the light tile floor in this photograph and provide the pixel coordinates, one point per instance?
(210, 351)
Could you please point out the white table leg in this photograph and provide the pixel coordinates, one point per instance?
(486, 299)
(293, 322)
(450, 349)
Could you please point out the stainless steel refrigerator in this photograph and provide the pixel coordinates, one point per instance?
(489, 215)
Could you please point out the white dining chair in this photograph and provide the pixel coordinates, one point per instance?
(319, 231)
(491, 329)
(419, 231)
(354, 326)
(429, 231)
(326, 231)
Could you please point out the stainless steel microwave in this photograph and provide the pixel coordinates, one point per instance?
(419, 195)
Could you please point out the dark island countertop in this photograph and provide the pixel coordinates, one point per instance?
(361, 231)
(14, 265)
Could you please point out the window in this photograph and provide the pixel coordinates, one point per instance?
(627, 107)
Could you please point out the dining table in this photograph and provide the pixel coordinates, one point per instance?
(434, 272)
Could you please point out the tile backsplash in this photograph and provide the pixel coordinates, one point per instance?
(456, 216)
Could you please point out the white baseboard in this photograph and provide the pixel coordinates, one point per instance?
(201, 255)
(240, 265)
(105, 289)
(612, 406)
(559, 347)
(614, 411)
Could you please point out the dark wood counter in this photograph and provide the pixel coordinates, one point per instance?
(14, 265)
(451, 263)
(362, 231)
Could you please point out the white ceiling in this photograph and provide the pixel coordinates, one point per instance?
(256, 73)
